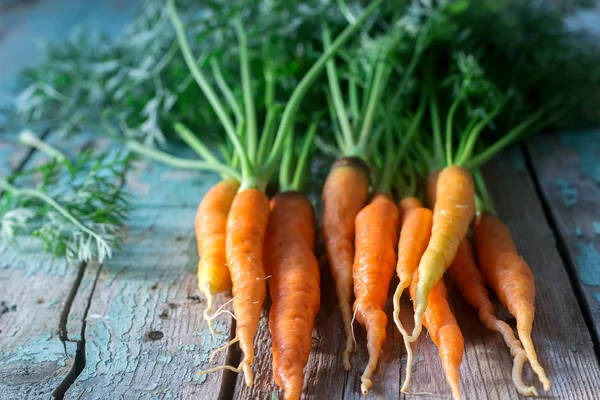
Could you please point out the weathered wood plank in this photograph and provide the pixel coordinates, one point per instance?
(567, 167)
(486, 370)
(32, 358)
(146, 336)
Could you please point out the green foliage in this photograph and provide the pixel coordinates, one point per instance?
(76, 208)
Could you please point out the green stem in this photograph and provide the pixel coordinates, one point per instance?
(303, 162)
(501, 144)
(196, 144)
(286, 165)
(485, 203)
(412, 130)
(464, 156)
(307, 81)
(379, 81)
(336, 94)
(449, 122)
(269, 76)
(266, 138)
(226, 90)
(52, 203)
(353, 94)
(29, 139)
(252, 137)
(247, 169)
(388, 172)
(181, 163)
(165, 60)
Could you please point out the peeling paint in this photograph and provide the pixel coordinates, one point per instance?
(35, 350)
(597, 297)
(51, 303)
(569, 194)
(587, 146)
(596, 227)
(588, 264)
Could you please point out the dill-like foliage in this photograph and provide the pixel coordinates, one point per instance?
(76, 208)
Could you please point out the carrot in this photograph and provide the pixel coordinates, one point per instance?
(444, 331)
(469, 281)
(294, 287)
(246, 226)
(414, 236)
(210, 227)
(376, 237)
(453, 211)
(511, 278)
(344, 195)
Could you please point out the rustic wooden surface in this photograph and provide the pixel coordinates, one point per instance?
(567, 169)
(144, 335)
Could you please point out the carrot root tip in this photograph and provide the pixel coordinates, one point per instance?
(366, 385)
(248, 375)
(207, 311)
(409, 362)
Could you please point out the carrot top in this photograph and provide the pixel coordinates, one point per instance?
(249, 154)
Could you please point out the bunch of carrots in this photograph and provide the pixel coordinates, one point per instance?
(404, 195)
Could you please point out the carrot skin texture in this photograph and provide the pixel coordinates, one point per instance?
(344, 194)
(210, 227)
(374, 261)
(445, 333)
(416, 222)
(511, 278)
(452, 214)
(415, 232)
(294, 287)
(246, 227)
(468, 280)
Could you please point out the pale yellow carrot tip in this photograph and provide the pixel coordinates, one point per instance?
(248, 375)
(207, 311)
(517, 378)
(409, 364)
(365, 385)
(533, 361)
(397, 295)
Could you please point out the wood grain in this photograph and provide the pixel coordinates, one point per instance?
(34, 287)
(146, 336)
(567, 167)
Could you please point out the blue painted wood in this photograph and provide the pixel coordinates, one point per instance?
(25, 28)
(567, 167)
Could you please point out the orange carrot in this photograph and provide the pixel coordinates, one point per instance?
(414, 236)
(511, 278)
(211, 227)
(344, 195)
(469, 281)
(376, 237)
(444, 331)
(294, 287)
(246, 226)
(453, 211)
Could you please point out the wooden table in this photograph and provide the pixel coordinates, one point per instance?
(135, 323)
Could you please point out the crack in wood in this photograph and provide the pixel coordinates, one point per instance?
(80, 359)
(563, 251)
(63, 333)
